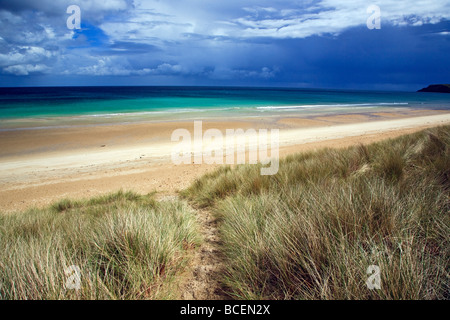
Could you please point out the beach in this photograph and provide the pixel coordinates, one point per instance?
(233, 152)
(40, 166)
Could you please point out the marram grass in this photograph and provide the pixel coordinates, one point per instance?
(126, 246)
(312, 230)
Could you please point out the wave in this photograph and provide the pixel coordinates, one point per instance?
(146, 113)
(138, 113)
(306, 106)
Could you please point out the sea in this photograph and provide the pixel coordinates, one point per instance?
(44, 107)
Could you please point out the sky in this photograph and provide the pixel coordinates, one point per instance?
(277, 43)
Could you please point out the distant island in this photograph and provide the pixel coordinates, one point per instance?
(443, 88)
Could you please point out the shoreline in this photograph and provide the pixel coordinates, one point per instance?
(37, 168)
(58, 122)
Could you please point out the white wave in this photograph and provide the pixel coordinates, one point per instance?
(306, 106)
(141, 113)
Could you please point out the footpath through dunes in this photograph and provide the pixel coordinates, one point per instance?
(203, 279)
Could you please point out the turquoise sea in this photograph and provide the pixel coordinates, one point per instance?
(42, 107)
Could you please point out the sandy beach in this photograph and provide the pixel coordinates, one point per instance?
(38, 167)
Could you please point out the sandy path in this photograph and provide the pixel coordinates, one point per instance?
(202, 281)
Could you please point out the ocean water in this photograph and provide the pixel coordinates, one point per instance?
(50, 106)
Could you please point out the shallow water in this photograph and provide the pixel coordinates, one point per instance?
(66, 106)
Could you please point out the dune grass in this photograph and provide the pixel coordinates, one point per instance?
(126, 246)
(312, 230)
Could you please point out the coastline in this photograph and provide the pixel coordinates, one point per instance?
(42, 166)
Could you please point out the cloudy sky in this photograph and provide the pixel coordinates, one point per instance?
(309, 43)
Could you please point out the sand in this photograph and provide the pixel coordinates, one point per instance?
(38, 167)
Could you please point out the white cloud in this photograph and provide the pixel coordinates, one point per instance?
(334, 16)
(34, 33)
(154, 21)
(25, 69)
(227, 73)
(108, 66)
(24, 55)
